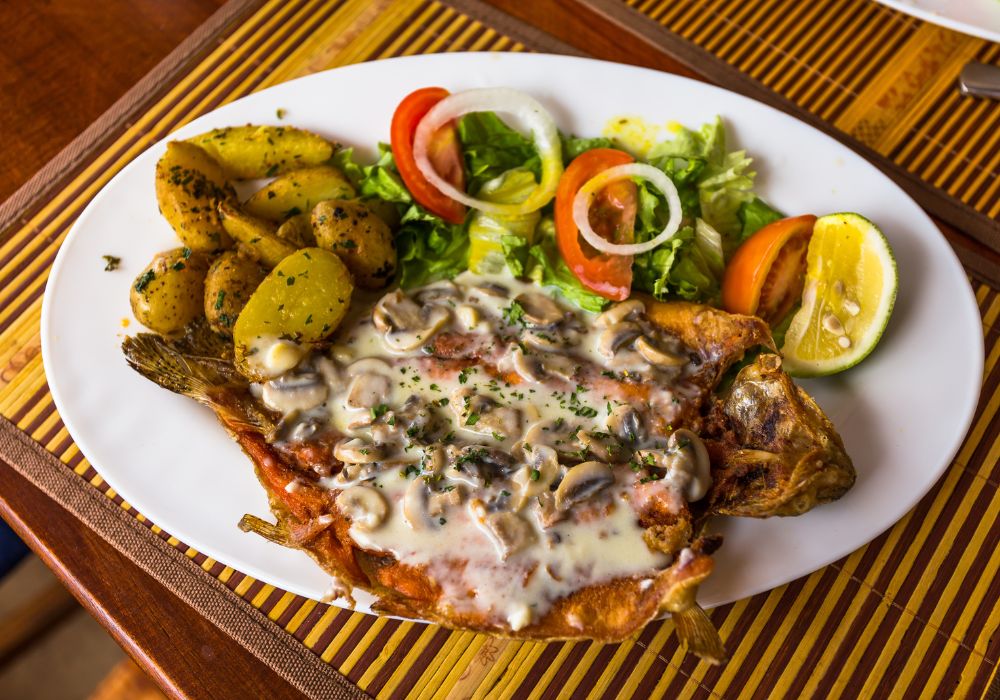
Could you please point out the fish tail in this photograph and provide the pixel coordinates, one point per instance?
(699, 634)
(211, 381)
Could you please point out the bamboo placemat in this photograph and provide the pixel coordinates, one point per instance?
(911, 613)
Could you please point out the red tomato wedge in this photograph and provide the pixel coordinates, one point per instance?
(612, 217)
(445, 154)
(766, 273)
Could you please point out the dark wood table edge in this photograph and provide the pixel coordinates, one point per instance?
(33, 194)
(44, 526)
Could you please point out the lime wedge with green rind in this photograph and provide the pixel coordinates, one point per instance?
(850, 289)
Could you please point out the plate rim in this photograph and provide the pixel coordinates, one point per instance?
(930, 17)
(46, 330)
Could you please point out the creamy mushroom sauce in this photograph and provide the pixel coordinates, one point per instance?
(496, 437)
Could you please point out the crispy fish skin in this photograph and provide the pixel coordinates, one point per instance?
(775, 452)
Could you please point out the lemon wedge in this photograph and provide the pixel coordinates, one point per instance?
(849, 292)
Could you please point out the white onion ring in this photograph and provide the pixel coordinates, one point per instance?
(585, 198)
(507, 101)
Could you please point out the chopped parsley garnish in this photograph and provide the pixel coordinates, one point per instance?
(379, 411)
(535, 475)
(514, 314)
(219, 298)
(144, 279)
(472, 419)
(111, 262)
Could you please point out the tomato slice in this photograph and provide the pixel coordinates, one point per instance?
(766, 273)
(444, 152)
(612, 217)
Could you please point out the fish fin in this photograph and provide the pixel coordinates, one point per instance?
(272, 533)
(211, 381)
(699, 634)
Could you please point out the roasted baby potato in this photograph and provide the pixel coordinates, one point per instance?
(298, 231)
(301, 301)
(257, 237)
(189, 187)
(170, 292)
(250, 152)
(231, 279)
(298, 192)
(363, 240)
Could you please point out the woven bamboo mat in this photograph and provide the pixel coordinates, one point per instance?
(912, 613)
(884, 78)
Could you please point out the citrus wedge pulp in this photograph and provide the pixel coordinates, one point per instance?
(850, 289)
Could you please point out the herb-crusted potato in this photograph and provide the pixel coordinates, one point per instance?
(298, 192)
(189, 187)
(170, 292)
(301, 301)
(250, 152)
(257, 237)
(298, 231)
(230, 282)
(362, 239)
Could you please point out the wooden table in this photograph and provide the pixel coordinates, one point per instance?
(79, 43)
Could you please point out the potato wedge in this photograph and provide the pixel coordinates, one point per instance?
(250, 152)
(298, 231)
(170, 292)
(189, 187)
(231, 280)
(361, 238)
(298, 192)
(257, 237)
(301, 301)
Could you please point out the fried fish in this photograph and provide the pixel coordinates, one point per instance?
(477, 454)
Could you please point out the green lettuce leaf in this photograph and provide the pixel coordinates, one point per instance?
(492, 148)
(712, 181)
(542, 263)
(755, 215)
(573, 146)
(378, 180)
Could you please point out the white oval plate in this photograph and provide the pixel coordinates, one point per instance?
(979, 18)
(902, 413)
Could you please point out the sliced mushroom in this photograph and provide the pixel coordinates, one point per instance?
(548, 513)
(439, 502)
(625, 311)
(479, 466)
(626, 422)
(685, 464)
(406, 324)
(357, 451)
(415, 505)
(538, 473)
(603, 446)
(659, 356)
(546, 341)
(615, 337)
(481, 414)
(299, 392)
(537, 368)
(509, 532)
(368, 390)
(364, 505)
(437, 292)
(554, 433)
(687, 442)
(540, 311)
(583, 482)
(491, 289)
